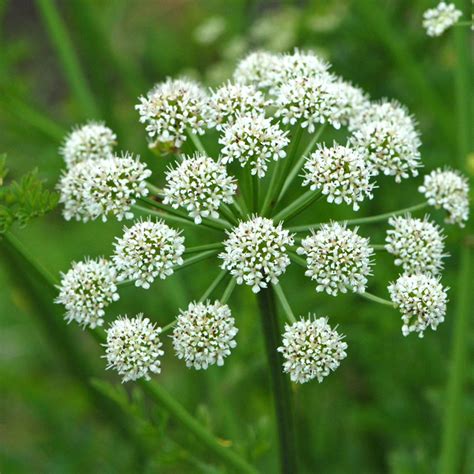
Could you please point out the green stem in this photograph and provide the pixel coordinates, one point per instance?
(378, 246)
(197, 143)
(297, 259)
(376, 299)
(299, 164)
(213, 286)
(362, 220)
(64, 48)
(197, 258)
(284, 303)
(153, 189)
(298, 206)
(163, 215)
(454, 417)
(202, 248)
(170, 404)
(280, 384)
(228, 290)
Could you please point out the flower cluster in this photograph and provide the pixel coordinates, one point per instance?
(437, 20)
(337, 258)
(133, 348)
(311, 349)
(449, 190)
(253, 142)
(200, 185)
(204, 334)
(147, 250)
(86, 290)
(341, 173)
(91, 141)
(276, 102)
(231, 100)
(256, 252)
(171, 110)
(422, 301)
(417, 244)
(97, 188)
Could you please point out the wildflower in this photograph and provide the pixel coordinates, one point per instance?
(257, 69)
(341, 173)
(97, 188)
(86, 290)
(133, 348)
(337, 258)
(421, 300)
(449, 190)
(311, 349)
(352, 101)
(231, 100)
(255, 252)
(418, 245)
(310, 101)
(253, 141)
(147, 250)
(91, 141)
(391, 147)
(204, 334)
(437, 20)
(171, 110)
(200, 185)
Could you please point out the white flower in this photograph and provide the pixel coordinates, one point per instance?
(437, 20)
(255, 252)
(170, 109)
(257, 69)
(417, 244)
(338, 259)
(90, 141)
(200, 185)
(204, 334)
(86, 290)
(449, 190)
(133, 348)
(231, 100)
(421, 300)
(311, 349)
(341, 173)
(352, 101)
(147, 250)
(390, 147)
(310, 100)
(253, 141)
(97, 188)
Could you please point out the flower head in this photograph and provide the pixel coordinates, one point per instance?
(421, 300)
(97, 188)
(338, 259)
(255, 252)
(231, 100)
(257, 69)
(148, 250)
(171, 109)
(200, 185)
(449, 190)
(390, 147)
(417, 244)
(341, 173)
(204, 334)
(310, 100)
(253, 141)
(86, 290)
(133, 348)
(311, 349)
(352, 101)
(91, 141)
(437, 20)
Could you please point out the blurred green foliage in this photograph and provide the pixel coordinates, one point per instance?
(382, 410)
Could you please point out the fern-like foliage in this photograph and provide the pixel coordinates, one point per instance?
(23, 200)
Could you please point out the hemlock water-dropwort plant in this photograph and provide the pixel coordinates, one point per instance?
(260, 117)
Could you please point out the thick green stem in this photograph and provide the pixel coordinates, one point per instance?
(61, 41)
(298, 206)
(280, 383)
